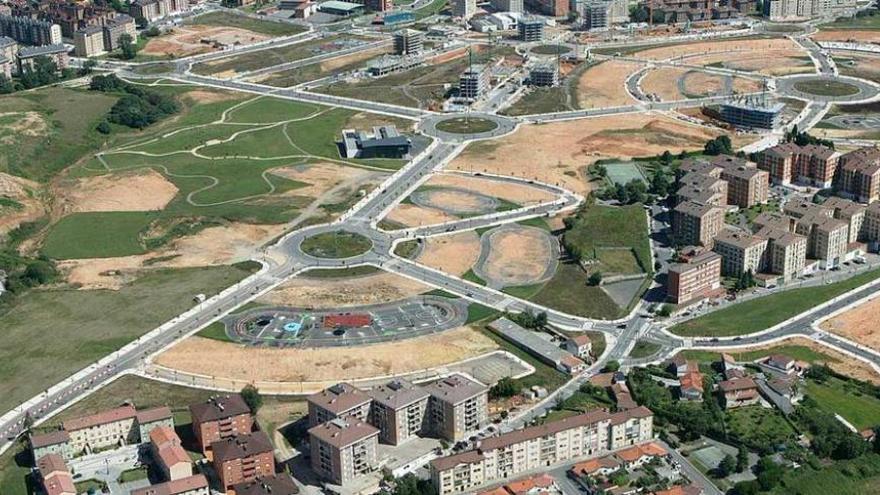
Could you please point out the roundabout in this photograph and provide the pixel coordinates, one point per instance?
(455, 201)
(337, 244)
(550, 50)
(466, 126)
(827, 89)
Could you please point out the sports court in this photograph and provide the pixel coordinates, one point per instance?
(623, 172)
(294, 327)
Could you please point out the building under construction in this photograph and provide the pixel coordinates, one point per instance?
(544, 75)
(754, 112)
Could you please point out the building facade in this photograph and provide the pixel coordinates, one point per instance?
(740, 252)
(696, 278)
(399, 410)
(30, 31)
(342, 450)
(458, 407)
(696, 224)
(343, 401)
(219, 418)
(243, 458)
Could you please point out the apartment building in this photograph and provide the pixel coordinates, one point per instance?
(89, 42)
(786, 252)
(696, 224)
(740, 252)
(828, 240)
(55, 442)
(747, 185)
(458, 406)
(794, 10)
(787, 163)
(276, 485)
(587, 435)
(507, 5)
(473, 82)
(850, 212)
(408, 42)
(219, 418)
(871, 226)
(193, 485)
(531, 29)
(696, 278)
(243, 458)
(399, 409)
(702, 188)
(147, 11)
(465, 9)
(342, 450)
(738, 392)
(30, 31)
(115, 28)
(112, 428)
(28, 55)
(859, 175)
(54, 475)
(173, 462)
(342, 400)
(149, 419)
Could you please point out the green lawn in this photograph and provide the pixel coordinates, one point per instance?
(354, 271)
(540, 100)
(470, 276)
(338, 244)
(758, 428)
(50, 334)
(568, 291)
(62, 129)
(274, 56)
(550, 49)
(798, 352)
(98, 235)
(598, 227)
(643, 349)
(764, 312)
(868, 22)
(407, 249)
(133, 475)
(478, 312)
(860, 476)
(618, 261)
(838, 397)
(242, 22)
(826, 88)
(215, 331)
(466, 125)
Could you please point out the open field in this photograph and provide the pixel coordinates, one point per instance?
(666, 83)
(19, 202)
(865, 23)
(799, 348)
(336, 245)
(520, 194)
(318, 293)
(603, 85)
(410, 215)
(237, 64)
(454, 254)
(764, 312)
(827, 88)
(541, 100)
(421, 87)
(757, 427)
(838, 397)
(567, 291)
(331, 364)
(557, 153)
(226, 19)
(466, 125)
(863, 65)
(139, 190)
(600, 227)
(97, 235)
(188, 40)
(848, 35)
(517, 256)
(55, 332)
(44, 131)
(326, 68)
(728, 47)
(858, 324)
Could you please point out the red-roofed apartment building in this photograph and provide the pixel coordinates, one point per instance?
(55, 476)
(172, 460)
(109, 428)
(193, 485)
(243, 458)
(220, 418)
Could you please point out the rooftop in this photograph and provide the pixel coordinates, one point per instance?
(339, 398)
(340, 433)
(398, 394)
(152, 415)
(739, 239)
(51, 438)
(182, 485)
(456, 388)
(219, 407)
(101, 418)
(241, 446)
(36, 51)
(280, 484)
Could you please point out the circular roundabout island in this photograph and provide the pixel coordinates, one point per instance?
(827, 89)
(337, 244)
(466, 125)
(550, 49)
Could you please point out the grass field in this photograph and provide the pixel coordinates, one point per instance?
(597, 227)
(868, 22)
(52, 333)
(215, 331)
(62, 131)
(643, 349)
(466, 125)
(242, 22)
(274, 56)
(798, 352)
(617, 261)
(97, 235)
(353, 271)
(860, 476)
(568, 291)
(544, 375)
(550, 49)
(758, 428)
(838, 397)
(336, 245)
(764, 312)
(827, 88)
(540, 100)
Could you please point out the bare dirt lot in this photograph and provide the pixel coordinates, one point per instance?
(850, 35)
(858, 324)
(557, 153)
(844, 365)
(517, 256)
(411, 215)
(213, 246)
(454, 254)
(603, 85)
(515, 193)
(665, 83)
(729, 48)
(142, 190)
(184, 41)
(310, 292)
(23, 204)
(324, 176)
(224, 359)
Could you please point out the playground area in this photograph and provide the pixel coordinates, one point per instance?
(288, 327)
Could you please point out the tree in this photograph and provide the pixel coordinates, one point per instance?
(742, 459)
(665, 310)
(721, 145)
(595, 279)
(127, 47)
(87, 67)
(505, 387)
(666, 158)
(659, 183)
(750, 487)
(769, 473)
(611, 366)
(6, 85)
(104, 127)
(252, 397)
(726, 466)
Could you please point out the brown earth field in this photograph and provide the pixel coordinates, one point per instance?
(603, 85)
(455, 253)
(858, 324)
(320, 293)
(220, 245)
(731, 47)
(324, 176)
(850, 35)
(844, 364)
(141, 190)
(184, 41)
(515, 193)
(410, 215)
(25, 194)
(664, 83)
(558, 153)
(778, 62)
(225, 359)
(517, 257)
